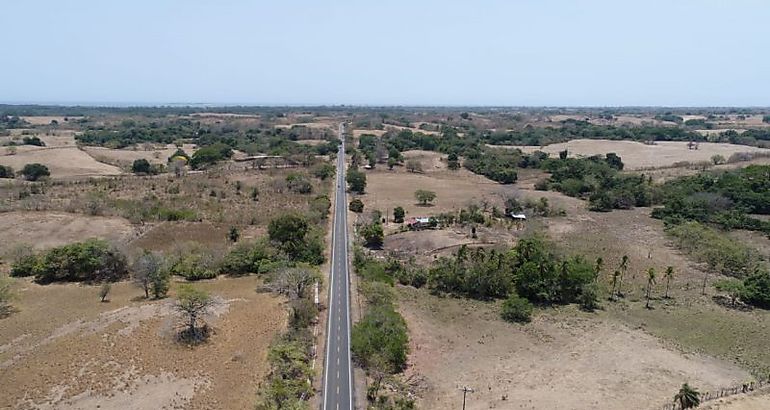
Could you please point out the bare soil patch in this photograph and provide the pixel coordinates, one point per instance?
(62, 162)
(42, 230)
(636, 155)
(65, 350)
(564, 359)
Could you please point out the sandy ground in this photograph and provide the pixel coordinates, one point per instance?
(562, 360)
(42, 230)
(65, 350)
(636, 155)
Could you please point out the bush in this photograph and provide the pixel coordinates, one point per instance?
(720, 252)
(6, 295)
(195, 265)
(6, 172)
(516, 309)
(141, 166)
(398, 214)
(380, 340)
(210, 155)
(356, 181)
(33, 141)
(373, 235)
(424, 197)
(90, 261)
(299, 184)
(246, 258)
(356, 206)
(33, 172)
(756, 289)
(324, 171)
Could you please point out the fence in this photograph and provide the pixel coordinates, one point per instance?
(730, 391)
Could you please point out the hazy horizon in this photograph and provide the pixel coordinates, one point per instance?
(430, 53)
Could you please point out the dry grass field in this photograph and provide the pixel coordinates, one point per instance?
(387, 189)
(64, 349)
(564, 359)
(636, 155)
(125, 157)
(62, 162)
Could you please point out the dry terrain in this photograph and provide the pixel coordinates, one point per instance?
(564, 359)
(637, 155)
(64, 349)
(42, 230)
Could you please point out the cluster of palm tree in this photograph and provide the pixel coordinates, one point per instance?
(687, 397)
(622, 269)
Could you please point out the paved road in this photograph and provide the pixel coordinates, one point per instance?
(338, 376)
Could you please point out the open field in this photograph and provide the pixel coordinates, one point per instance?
(65, 350)
(636, 155)
(564, 359)
(42, 230)
(126, 156)
(454, 189)
(62, 162)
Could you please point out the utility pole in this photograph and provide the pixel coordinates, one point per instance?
(465, 390)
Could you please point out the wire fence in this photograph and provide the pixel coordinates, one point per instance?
(730, 391)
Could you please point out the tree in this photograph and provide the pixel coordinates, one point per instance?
(757, 289)
(356, 205)
(687, 397)
(598, 266)
(733, 287)
(650, 282)
(233, 234)
(33, 172)
(717, 159)
(516, 309)
(453, 162)
(623, 269)
(104, 290)
(294, 281)
(668, 275)
(144, 269)
(141, 166)
(160, 281)
(614, 161)
(6, 172)
(373, 235)
(615, 279)
(413, 165)
(398, 214)
(193, 303)
(289, 232)
(324, 171)
(424, 197)
(392, 163)
(356, 181)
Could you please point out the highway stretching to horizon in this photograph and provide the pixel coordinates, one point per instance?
(338, 375)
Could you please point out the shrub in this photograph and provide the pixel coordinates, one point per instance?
(413, 165)
(209, 155)
(33, 141)
(398, 214)
(160, 282)
(380, 340)
(373, 235)
(424, 197)
(33, 172)
(246, 258)
(516, 309)
(356, 181)
(195, 265)
(6, 295)
(90, 261)
(324, 171)
(720, 252)
(757, 289)
(356, 205)
(6, 172)
(299, 184)
(141, 166)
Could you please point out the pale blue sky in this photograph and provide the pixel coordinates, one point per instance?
(430, 52)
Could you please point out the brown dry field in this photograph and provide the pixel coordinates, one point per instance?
(564, 359)
(63, 349)
(636, 155)
(42, 230)
(126, 156)
(358, 133)
(62, 162)
(387, 189)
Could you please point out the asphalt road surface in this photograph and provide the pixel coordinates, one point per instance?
(338, 375)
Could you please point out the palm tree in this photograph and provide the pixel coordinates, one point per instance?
(650, 282)
(598, 268)
(687, 397)
(615, 277)
(669, 275)
(623, 268)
